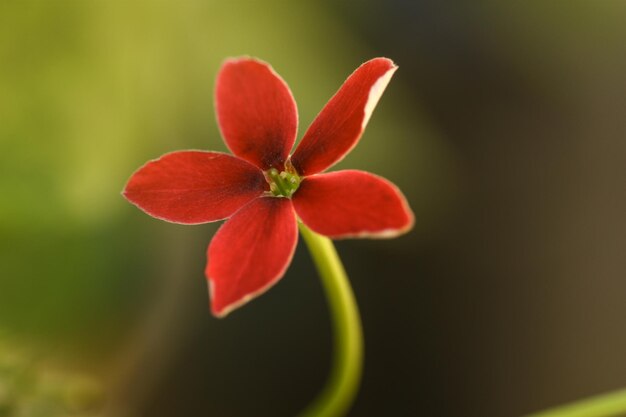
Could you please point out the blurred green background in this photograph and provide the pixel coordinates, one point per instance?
(504, 126)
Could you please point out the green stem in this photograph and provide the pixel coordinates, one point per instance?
(612, 404)
(340, 391)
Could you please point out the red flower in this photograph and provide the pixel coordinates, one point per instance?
(262, 190)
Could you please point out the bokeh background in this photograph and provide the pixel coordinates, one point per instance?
(504, 126)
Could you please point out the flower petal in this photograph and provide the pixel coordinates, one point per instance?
(193, 187)
(338, 127)
(256, 112)
(352, 204)
(250, 252)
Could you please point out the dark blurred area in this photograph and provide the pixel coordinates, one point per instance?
(504, 126)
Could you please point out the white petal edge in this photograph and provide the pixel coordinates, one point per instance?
(376, 91)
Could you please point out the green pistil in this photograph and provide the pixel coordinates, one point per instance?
(283, 184)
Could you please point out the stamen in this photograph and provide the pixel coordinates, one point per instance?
(282, 184)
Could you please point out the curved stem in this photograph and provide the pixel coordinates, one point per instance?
(340, 391)
(606, 405)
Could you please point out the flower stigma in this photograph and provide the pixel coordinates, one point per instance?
(283, 184)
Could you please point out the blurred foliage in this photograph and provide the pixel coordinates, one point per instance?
(527, 93)
(91, 90)
(31, 388)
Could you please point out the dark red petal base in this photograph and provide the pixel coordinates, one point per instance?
(256, 112)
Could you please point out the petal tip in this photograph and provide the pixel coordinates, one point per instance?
(405, 227)
(386, 60)
(388, 233)
(242, 58)
(376, 92)
(222, 311)
(219, 313)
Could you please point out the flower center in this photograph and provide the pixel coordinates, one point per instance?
(282, 184)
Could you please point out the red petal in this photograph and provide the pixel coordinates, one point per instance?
(250, 252)
(338, 127)
(352, 204)
(193, 187)
(256, 112)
